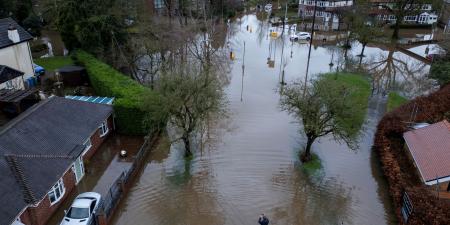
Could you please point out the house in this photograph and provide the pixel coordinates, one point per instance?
(15, 50)
(423, 13)
(429, 148)
(329, 11)
(42, 155)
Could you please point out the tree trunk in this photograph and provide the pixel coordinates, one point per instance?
(187, 146)
(362, 54)
(306, 156)
(395, 35)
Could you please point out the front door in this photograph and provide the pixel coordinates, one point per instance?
(78, 169)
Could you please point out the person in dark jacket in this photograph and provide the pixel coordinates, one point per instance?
(263, 220)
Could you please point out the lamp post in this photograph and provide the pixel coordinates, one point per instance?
(310, 44)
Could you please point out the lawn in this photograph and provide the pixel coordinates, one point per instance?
(314, 165)
(359, 98)
(394, 101)
(53, 63)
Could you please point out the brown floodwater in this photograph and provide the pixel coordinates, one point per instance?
(102, 169)
(251, 165)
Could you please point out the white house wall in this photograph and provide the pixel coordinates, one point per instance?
(18, 57)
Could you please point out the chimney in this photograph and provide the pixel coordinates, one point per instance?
(13, 34)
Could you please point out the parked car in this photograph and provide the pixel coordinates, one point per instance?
(300, 36)
(82, 210)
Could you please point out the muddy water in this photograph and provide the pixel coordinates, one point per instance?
(251, 167)
(102, 170)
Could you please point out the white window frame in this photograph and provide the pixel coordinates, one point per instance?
(58, 187)
(104, 128)
(88, 145)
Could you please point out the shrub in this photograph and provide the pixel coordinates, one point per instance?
(440, 71)
(129, 94)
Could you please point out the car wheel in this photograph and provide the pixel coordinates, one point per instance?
(308, 38)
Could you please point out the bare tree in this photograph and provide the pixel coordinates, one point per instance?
(320, 107)
(190, 97)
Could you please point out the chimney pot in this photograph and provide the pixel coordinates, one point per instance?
(13, 34)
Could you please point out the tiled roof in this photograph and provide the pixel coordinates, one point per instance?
(430, 148)
(4, 25)
(39, 145)
(8, 73)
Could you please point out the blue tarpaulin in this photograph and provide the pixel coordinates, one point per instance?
(93, 99)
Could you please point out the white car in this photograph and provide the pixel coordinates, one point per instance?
(300, 36)
(268, 7)
(82, 210)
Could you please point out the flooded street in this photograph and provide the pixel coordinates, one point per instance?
(251, 165)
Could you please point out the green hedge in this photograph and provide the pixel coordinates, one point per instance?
(129, 94)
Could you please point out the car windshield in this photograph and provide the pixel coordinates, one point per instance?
(78, 213)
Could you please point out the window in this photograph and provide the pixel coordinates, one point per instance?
(410, 18)
(57, 192)
(78, 213)
(93, 206)
(159, 4)
(87, 145)
(103, 128)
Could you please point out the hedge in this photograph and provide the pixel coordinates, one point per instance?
(399, 170)
(129, 94)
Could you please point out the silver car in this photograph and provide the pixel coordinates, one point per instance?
(82, 210)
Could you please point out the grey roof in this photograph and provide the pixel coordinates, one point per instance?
(41, 144)
(8, 73)
(4, 25)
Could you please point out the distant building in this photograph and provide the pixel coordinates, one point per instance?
(381, 11)
(42, 155)
(329, 11)
(15, 48)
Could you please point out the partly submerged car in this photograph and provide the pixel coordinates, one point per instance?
(83, 209)
(300, 36)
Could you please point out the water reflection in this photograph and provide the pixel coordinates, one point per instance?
(392, 70)
(250, 164)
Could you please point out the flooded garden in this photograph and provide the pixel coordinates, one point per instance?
(250, 163)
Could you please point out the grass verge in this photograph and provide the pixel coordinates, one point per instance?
(394, 101)
(52, 63)
(359, 98)
(313, 165)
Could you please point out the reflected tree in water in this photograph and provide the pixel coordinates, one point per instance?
(313, 197)
(394, 71)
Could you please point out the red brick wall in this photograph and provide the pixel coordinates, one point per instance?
(97, 141)
(40, 214)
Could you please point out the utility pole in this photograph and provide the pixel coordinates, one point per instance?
(310, 45)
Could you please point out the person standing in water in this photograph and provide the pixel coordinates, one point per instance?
(263, 220)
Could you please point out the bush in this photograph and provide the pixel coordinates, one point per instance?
(440, 71)
(398, 168)
(128, 105)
